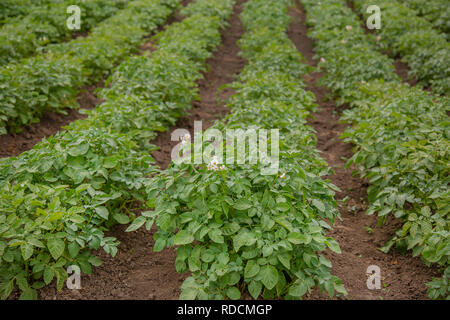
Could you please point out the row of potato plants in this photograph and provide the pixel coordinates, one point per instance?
(400, 133)
(237, 230)
(437, 12)
(16, 9)
(413, 38)
(51, 81)
(58, 199)
(46, 24)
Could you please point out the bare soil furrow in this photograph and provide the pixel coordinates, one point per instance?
(51, 122)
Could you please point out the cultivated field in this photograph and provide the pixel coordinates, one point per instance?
(224, 149)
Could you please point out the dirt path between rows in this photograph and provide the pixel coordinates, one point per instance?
(52, 122)
(137, 272)
(403, 277)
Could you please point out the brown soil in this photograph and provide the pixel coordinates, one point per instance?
(137, 272)
(403, 277)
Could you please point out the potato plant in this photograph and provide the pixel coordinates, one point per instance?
(239, 231)
(96, 171)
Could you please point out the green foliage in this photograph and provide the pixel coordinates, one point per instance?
(12, 10)
(46, 23)
(238, 230)
(99, 166)
(51, 81)
(425, 50)
(401, 136)
(350, 57)
(437, 12)
(220, 9)
(403, 146)
(439, 288)
(58, 198)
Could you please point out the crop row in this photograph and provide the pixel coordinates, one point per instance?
(437, 12)
(401, 135)
(425, 50)
(236, 229)
(99, 167)
(15, 9)
(46, 24)
(58, 217)
(51, 81)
